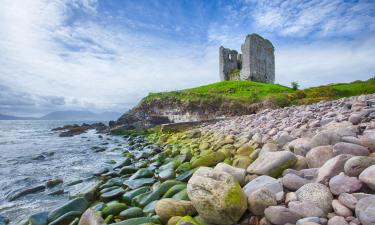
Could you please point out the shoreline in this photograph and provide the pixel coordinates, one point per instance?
(305, 158)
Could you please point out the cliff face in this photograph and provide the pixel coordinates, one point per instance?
(171, 110)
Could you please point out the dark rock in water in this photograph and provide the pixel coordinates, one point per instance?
(127, 170)
(66, 218)
(38, 157)
(88, 192)
(72, 130)
(57, 192)
(75, 205)
(26, 192)
(74, 182)
(3, 220)
(125, 162)
(101, 171)
(53, 182)
(38, 219)
(98, 149)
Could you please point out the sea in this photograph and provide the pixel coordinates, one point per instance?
(31, 154)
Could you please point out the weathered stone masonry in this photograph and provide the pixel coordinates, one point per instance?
(256, 63)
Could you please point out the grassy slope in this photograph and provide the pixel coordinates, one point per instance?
(251, 92)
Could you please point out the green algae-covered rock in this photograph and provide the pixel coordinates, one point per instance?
(127, 170)
(173, 220)
(185, 176)
(140, 198)
(217, 196)
(142, 173)
(128, 196)
(113, 194)
(114, 208)
(245, 150)
(241, 162)
(132, 212)
(158, 193)
(149, 209)
(210, 159)
(187, 220)
(67, 218)
(79, 204)
(272, 163)
(167, 208)
(184, 167)
(167, 174)
(182, 195)
(174, 190)
(138, 221)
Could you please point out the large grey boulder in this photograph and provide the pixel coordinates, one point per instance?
(317, 156)
(272, 163)
(332, 168)
(299, 146)
(365, 210)
(91, 217)
(357, 164)
(267, 182)
(306, 209)
(238, 173)
(217, 196)
(325, 137)
(260, 199)
(349, 148)
(344, 184)
(317, 194)
(368, 177)
(281, 215)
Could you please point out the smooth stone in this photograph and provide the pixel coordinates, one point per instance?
(349, 148)
(187, 220)
(149, 209)
(127, 170)
(317, 156)
(241, 161)
(348, 200)
(167, 174)
(344, 184)
(137, 183)
(142, 173)
(309, 221)
(66, 218)
(337, 220)
(269, 147)
(357, 164)
(167, 208)
(114, 208)
(299, 146)
(91, 217)
(290, 196)
(174, 190)
(368, 177)
(210, 159)
(38, 219)
(272, 163)
(53, 182)
(281, 215)
(27, 191)
(217, 196)
(139, 221)
(238, 173)
(340, 209)
(260, 199)
(111, 195)
(294, 182)
(365, 209)
(132, 212)
(301, 163)
(325, 137)
(78, 204)
(332, 168)
(245, 150)
(88, 192)
(267, 182)
(306, 209)
(317, 194)
(128, 196)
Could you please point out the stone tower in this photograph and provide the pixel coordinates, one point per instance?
(257, 62)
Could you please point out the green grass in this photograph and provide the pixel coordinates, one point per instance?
(250, 92)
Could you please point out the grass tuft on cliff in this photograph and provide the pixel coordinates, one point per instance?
(249, 92)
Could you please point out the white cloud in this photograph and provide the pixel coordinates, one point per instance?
(316, 17)
(95, 63)
(325, 62)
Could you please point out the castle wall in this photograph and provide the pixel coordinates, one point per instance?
(229, 60)
(257, 61)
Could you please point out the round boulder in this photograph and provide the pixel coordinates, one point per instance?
(357, 164)
(167, 208)
(365, 209)
(260, 199)
(217, 196)
(368, 177)
(317, 194)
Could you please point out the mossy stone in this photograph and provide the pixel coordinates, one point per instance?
(114, 208)
(174, 190)
(209, 159)
(128, 196)
(132, 212)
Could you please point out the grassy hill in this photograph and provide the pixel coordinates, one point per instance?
(251, 92)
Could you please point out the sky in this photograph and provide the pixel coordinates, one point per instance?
(105, 55)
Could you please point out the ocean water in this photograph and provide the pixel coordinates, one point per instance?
(31, 154)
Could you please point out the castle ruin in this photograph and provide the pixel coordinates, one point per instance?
(256, 63)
